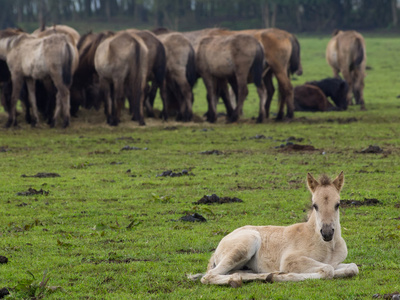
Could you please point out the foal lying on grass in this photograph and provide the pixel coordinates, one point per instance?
(310, 250)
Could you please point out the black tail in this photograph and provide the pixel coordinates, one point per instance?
(257, 67)
(295, 62)
(360, 53)
(191, 74)
(159, 68)
(67, 66)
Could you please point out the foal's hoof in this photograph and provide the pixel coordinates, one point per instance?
(270, 278)
(236, 281)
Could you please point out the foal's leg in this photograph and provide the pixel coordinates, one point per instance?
(232, 254)
(301, 268)
(346, 270)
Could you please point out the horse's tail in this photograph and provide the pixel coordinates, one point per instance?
(195, 277)
(191, 74)
(295, 61)
(67, 65)
(359, 54)
(159, 68)
(257, 67)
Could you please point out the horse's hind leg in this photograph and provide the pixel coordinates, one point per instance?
(262, 94)
(242, 94)
(12, 109)
(286, 95)
(358, 87)
(31, 85)
(62, 105)
(270, 91)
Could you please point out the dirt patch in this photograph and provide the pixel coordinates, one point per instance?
(211, 199)
(128, 148)
(343, 120)
(3, 260)
(366, 202)
(32, 191)
(210, 152)
(260, 137)
(42, 175)
(170, 173)
(371, 149)
(4, 292)
(193, 218)
(3, 148)
(289, 146)
(395, 295)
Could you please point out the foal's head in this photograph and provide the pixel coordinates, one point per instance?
(325, 200)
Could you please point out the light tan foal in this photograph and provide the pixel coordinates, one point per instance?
(310, 250)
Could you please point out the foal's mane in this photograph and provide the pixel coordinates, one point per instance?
(10, 32)
(324, 180)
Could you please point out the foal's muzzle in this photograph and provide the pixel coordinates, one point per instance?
(327, 232)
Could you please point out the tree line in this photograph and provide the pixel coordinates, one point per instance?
(292, 15)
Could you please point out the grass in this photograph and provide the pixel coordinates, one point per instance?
(109, 227)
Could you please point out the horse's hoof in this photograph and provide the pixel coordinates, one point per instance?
(66, 124)
(142, 123)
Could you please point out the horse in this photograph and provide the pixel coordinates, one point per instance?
(335, 88)
(156, 66)
(309, 97)
(346, 53)
(121, 63)
(65, 29)
(282, 53)
(309, 250)
(45, 90)
(31, 58)
(176, 90)
(237, 59)
(85, 90)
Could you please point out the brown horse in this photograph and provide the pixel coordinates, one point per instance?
(309, 97)
(180, 76)
(237, 59)
(85, 89)
(311, 250)
(156, 66)
(282, 53)
(121, 63)
(346, 53)
(30, 58)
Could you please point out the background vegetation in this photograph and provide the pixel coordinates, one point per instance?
(109, 226)
(292, 15)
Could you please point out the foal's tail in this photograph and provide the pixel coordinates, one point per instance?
(67, 65)
(257, 67)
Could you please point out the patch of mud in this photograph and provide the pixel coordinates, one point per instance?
(3, 260)
(260, 137)
(4, 292)
(4, 149)
(366, 202)
(193, 218)
(128, 148)
(32, 191)
(170, 173)
(289, 146)
(343, 120)
(211, 199)
(394, 296)
(372, 149)
(42, 175)
(210, 152)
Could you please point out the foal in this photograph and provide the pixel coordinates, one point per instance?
(310, 250)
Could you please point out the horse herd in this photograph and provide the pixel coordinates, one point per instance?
(55, 71)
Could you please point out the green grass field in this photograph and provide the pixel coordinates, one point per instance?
(108, 227)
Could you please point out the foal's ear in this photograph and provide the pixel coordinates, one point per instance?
(311, 183)
(339, 181)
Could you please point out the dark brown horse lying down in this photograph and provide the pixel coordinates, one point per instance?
(309, 97)
(335, 88)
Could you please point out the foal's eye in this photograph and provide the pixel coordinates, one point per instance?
(315, 207)
(337, 206)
